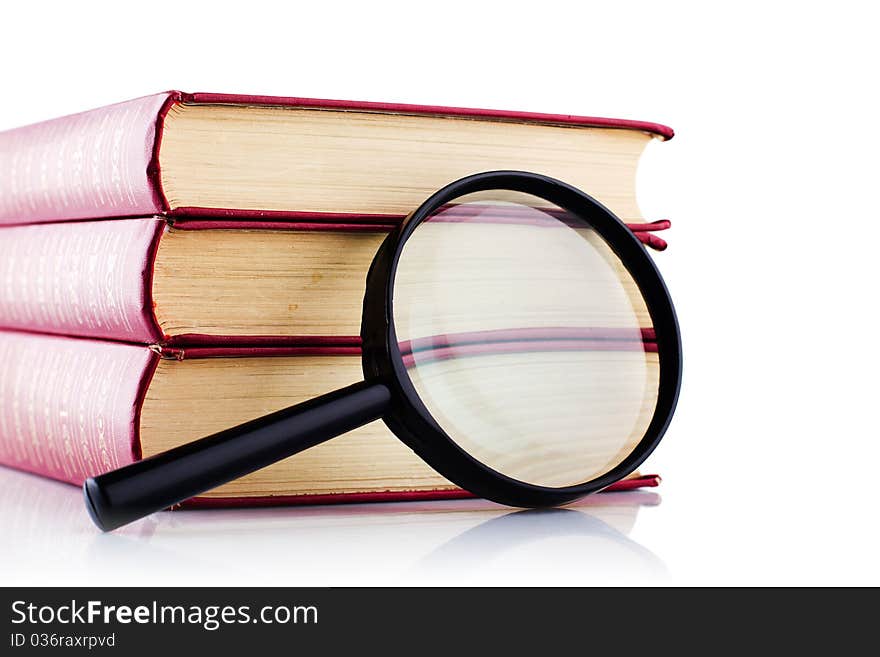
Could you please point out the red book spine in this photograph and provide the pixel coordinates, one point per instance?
(69, 408)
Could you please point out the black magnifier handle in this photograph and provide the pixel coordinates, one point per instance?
(127, 494)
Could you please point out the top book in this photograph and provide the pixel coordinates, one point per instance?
(246, 157)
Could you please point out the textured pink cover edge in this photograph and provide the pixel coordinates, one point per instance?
(658, 129)
(87, 165)
(88, 278)
(69, 406)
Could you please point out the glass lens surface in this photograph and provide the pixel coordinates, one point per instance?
(526, 338)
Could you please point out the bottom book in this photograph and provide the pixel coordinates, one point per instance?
(72, 408)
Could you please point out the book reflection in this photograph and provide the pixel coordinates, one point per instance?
(442, 542)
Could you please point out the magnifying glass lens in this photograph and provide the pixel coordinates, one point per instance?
(525, 338)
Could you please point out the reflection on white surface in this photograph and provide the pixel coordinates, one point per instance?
(47, 539)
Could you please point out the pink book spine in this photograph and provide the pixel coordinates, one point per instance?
(93, 164)
(69, 408)
(90, 278)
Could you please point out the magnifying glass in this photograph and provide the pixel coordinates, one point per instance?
(516, 336)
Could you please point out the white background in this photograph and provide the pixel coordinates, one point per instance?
(771, 183)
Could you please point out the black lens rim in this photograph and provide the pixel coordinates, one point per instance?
(411, 421)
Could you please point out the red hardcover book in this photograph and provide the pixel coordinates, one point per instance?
(226, 156)
(205, 282)
(71, 408)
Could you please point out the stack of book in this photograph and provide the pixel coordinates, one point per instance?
(180, 263)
